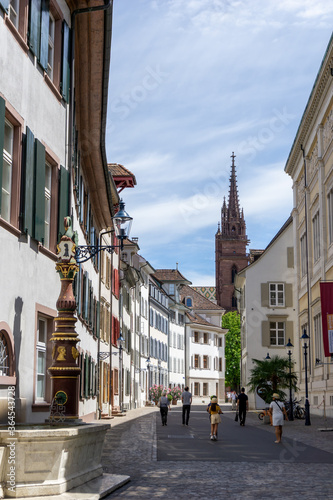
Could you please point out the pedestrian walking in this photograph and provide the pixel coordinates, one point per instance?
(278, 412)
(164, 403)
(233, 400)
(242, 406)
(215, 419)
(187, 401)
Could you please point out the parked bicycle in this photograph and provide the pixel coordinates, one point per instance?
(298, 411)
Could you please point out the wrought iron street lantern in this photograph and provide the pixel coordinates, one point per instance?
(305, 338)
(289, 347)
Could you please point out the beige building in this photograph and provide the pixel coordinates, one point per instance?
(310, 165)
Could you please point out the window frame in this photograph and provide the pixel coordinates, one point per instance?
(273, 288)
(277, 329)
(10, 378)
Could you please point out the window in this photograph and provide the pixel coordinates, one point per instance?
(188, 302)
(205, 362)
(276, 295)
(330, 216)
(196, 389)
(205, 338)
(50, 61)
(14, 7)
(316, 237)
(7, 168)
(277, 333)
(318, 337)
(205, 389)
(196, 337)
(196, 361)
(220, 365)
(303, 256)
(41, 364)
(4, 356)
(171, 289)
(180, 319)
(233, 274)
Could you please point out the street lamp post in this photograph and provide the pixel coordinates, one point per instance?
(305, 337)
(291, 409)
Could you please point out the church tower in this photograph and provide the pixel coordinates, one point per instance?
(230, 245)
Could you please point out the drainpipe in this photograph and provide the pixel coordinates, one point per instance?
(307, 257)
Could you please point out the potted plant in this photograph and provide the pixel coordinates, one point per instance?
(175, 393)
(155, 392)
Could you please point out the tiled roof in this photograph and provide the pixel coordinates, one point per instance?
(199, 301)
(195, 318)
(118, 170)
(170, 275)
(207, 291)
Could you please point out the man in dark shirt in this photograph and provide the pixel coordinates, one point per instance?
(242, 406)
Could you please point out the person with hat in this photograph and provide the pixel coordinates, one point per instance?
(278, 412)
(214, 412)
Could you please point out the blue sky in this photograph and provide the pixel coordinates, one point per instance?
(191, 81)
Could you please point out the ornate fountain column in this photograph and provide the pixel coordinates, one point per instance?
(64, 371)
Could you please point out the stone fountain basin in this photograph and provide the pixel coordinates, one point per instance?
(46, 460)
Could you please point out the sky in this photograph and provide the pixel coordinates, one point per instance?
(191, 82)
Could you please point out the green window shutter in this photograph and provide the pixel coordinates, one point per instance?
(44, 33)
(86, 376)
(289, 294)
(4, 4)
(264, 295)
(29, 175)
(265, 335)
(39, 205)
(65, 70)
(2, 136)
(63, 209)
(35, 26)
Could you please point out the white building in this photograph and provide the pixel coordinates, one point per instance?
(267, 304)
(172, 281)
(204, 346)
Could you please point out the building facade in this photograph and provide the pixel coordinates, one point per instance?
(266, 302)
(310, 165)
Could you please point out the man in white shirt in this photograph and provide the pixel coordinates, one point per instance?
(186, 400)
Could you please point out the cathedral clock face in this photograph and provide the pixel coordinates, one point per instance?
(61, 398)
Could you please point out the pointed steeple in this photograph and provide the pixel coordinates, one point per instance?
(233, 204)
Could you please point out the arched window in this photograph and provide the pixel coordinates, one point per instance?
(188, 302)
(233, 274)
(7, 361)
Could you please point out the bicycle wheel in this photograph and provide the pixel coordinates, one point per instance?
(301, 413)
(261, 416)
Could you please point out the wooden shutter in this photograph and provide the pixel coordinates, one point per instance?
(116, 283)
(39, 204)
(98, 307)
(289, 331)
(34, 26)
(63, 209)
(2, 137)
(265, 335)
(264, 295)
(289, 294)
(86, 376)
(44, 36)
(4, 4)
(65, 73)
(29, 176)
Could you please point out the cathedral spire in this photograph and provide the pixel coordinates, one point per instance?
(233, 204)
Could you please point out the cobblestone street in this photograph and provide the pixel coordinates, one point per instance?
(133, 442)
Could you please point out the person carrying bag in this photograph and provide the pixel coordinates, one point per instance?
(215, 419)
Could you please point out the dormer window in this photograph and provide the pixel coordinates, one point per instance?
(188, 301)
(172, 289)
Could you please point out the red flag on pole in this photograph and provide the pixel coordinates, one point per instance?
(326, 295)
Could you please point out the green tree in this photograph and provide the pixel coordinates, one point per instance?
(231, 321)
(271, 375)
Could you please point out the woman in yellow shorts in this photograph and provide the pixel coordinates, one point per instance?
(215, 419)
